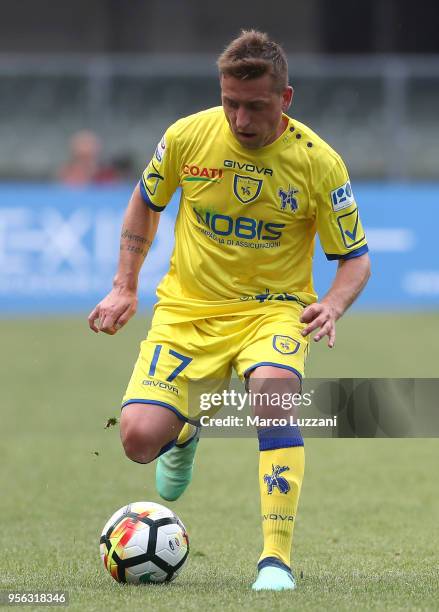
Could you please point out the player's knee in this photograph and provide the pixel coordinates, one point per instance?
(272, 379)
(139, 443)
(272, 391)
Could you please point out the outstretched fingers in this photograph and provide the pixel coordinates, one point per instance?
(319, 316)
(328, 329)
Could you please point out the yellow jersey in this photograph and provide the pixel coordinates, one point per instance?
(247, 219)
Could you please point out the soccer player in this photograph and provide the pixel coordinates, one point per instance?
(256, 186)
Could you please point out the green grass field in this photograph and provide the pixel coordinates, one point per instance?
(366, 535)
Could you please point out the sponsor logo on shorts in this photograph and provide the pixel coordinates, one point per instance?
(160, 385)
(285, 345)
(342, 197)
(275, 480)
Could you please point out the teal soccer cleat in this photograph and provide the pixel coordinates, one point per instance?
(273, 575)
(174, 469)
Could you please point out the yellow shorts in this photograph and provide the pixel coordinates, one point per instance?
(176, 358)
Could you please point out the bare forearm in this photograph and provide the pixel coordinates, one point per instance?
(352, 275)
(138, 231)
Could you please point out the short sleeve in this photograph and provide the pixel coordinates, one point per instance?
(161, 177)
(338, 221)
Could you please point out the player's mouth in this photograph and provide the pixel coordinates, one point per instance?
(246, 135)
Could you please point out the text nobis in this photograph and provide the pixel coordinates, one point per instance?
(244, 228)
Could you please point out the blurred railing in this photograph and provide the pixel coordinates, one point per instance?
(379, 112)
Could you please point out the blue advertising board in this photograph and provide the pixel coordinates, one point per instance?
(59, 247)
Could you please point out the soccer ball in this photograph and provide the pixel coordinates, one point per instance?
(144, 542)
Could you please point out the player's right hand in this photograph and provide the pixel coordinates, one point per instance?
(113, 312)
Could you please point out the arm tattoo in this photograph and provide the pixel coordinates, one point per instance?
(139, 244)
(135, 238)
(134, 249)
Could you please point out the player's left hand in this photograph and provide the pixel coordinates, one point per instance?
(320, 315)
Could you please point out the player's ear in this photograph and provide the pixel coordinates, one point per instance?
(287, 97)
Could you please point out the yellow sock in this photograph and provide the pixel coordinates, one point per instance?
(186, 433)
(280, 480)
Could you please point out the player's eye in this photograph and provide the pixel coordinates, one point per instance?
(256, 106)
(231, 103)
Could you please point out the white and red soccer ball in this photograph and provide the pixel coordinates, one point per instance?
(144, 542)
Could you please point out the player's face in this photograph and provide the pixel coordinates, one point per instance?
(254, 109)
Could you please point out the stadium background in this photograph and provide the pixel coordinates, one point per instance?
(366, 77)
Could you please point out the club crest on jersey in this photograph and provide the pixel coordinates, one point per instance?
(287, 199)
(274, 480)
(285, 345)
(246, 189)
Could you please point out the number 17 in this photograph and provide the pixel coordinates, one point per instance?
(185, 361)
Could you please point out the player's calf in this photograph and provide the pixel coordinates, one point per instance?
(281, 468)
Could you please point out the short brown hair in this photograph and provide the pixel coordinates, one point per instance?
(252, 55)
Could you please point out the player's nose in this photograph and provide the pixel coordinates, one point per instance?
(242, 119)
